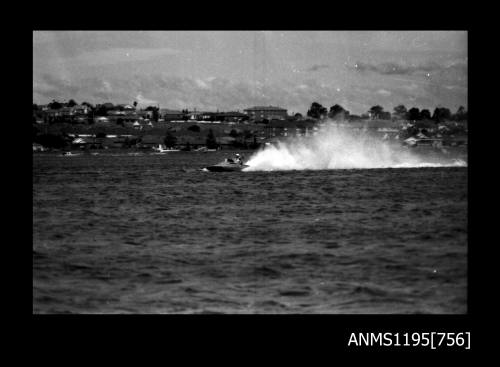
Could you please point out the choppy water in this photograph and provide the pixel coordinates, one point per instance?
(153, 234)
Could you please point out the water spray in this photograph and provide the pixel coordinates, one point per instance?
(335, 146)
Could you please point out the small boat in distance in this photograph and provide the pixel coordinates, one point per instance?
(162, 149)
(69, 154)
(205, 149)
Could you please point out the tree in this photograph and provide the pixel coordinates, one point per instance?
(194, 128)
(461, 114)
(317, 111)
(254, 144)
(71, 103)
(130, 142)
(135, 104)
(441, 114)
(51, 141)
(211, 142)
(338, 112)
(155, 112)
(298, 116)
(400, 112)
(375, 111)
(34, 132)
(35, 107)
(55, 105)
(425, 114)
(169, 140)
(101, 110)
(413, 114)
(247, 134)
(384, 115)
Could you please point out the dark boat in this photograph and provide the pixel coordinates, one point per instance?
(226, 166)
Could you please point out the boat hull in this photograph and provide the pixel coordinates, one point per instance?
(226, 168)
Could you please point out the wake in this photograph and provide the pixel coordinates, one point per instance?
(336, 147)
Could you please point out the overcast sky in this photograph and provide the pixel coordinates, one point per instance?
(233, 70)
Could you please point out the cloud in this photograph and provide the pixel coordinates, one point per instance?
(200, 83)
(114, 56)
(144, 101)
(176, 92)
(391, 68)
(302, 86)
(384, 92)
(74, 43)
(317, 67)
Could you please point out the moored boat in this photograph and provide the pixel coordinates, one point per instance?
(162, 149)
(69, 154)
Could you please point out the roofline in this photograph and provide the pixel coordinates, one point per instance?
(265, 108)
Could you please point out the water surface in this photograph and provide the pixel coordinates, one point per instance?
(154, 234)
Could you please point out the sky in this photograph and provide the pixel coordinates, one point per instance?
(234, 70)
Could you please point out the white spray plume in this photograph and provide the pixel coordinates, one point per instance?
(338, 147)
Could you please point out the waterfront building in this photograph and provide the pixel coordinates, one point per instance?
(260, 113)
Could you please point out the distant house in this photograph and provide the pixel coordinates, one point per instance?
(209, 116)
(78, 142)
(78, 113)
(171, 115)
(231, 116)
(81, 109)
(101, 119)
(125, 107)
(53, 112)
(145, 114)
(259, 113)
(206, 116)
(124, 117)
(116, 112)
(197, 115)
(67, 111)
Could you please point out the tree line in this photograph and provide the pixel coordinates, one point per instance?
(316, 111)
(400, 112)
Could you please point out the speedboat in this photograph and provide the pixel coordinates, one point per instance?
(226, 166)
